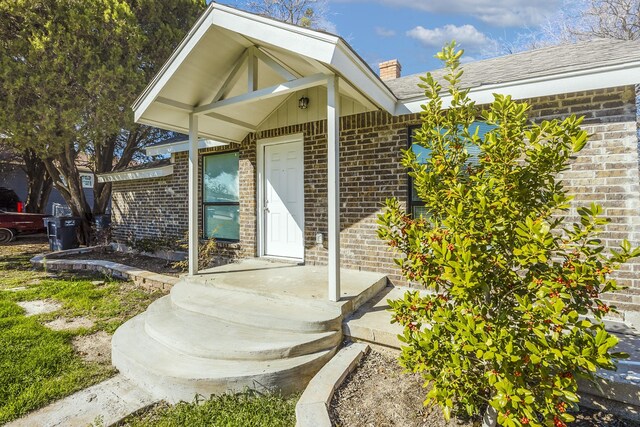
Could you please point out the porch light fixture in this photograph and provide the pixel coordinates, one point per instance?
(303, 103)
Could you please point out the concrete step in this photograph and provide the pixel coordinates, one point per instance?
(617, 391)
(200, 335)
(176, 376)
(239, 307)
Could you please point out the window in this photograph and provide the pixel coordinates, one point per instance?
(220, 196)
(416, 206)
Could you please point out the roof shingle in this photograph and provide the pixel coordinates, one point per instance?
(542, 62)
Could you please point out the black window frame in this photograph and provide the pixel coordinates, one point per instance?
(410, 202)
(204, 204)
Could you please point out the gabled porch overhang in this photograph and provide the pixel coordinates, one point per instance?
(233, 70)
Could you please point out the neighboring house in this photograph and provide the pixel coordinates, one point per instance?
(273, 102)
(14, 177)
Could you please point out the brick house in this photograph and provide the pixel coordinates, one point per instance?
(275, 111)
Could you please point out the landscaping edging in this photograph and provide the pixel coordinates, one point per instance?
(141, 277)
(312, 410)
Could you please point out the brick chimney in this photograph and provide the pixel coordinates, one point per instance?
(390, 70)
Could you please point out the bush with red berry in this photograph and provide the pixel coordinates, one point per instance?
(515, 313)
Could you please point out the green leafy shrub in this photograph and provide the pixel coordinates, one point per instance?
(515, 316)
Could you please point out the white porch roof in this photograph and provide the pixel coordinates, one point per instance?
(235, 68)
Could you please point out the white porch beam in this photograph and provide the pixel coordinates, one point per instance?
(193, 195)
(232, 77)
(252, 84)
(266, 93)
(176, 105)
(333, 186)
(233, 122)
(275, 65)
(181, 106)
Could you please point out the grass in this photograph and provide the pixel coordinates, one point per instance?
(230, 410)
(39, 365)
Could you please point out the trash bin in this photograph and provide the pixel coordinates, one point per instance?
(62, 232)
(102, 221)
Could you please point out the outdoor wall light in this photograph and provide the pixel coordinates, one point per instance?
(303, 103)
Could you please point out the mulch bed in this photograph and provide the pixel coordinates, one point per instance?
(377, 393)
(155, 265)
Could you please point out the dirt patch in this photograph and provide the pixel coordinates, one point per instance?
(378, 394)
(94, 348)
(33, 308)
(64, 324)
(155, 265)
(15, 255)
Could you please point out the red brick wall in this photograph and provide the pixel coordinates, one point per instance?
(606, 172)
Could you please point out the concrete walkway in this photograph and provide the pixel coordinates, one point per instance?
(107, 402)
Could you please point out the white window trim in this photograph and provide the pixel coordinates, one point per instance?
(136, 174)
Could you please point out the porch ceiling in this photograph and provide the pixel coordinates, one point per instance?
(229, 54)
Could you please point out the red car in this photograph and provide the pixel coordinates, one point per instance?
(13, 220)
(14, 223)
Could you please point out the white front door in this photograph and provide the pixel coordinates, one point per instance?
(284, 200)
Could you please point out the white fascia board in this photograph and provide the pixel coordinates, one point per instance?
(354, 70)
(136, 174)
(178, 146)
(150, 93)
(180, 129)
(576, 81)
(302, 41)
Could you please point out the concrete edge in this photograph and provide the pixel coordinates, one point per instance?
(312, 410)
(141, 277)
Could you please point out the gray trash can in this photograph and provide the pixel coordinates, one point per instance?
(62, 232)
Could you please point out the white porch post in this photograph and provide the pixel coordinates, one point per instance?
(193, 194)
(333, 185)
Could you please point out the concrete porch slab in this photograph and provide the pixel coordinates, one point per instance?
(292, 281)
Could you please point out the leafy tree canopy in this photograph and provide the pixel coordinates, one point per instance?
(70, 70)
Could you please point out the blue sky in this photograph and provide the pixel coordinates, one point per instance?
(412, 31)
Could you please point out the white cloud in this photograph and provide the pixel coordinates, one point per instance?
(500, 13)
(467, 36)
(385, 32)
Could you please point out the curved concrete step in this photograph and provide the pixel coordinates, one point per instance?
(208, 337)
(240, 307)
(173, 376)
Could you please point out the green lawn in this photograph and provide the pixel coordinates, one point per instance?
(39, 365)
(237, 410)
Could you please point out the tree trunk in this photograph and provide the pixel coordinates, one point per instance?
(39, 182)
(490, 418)
(66, 177)
(104, 162)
